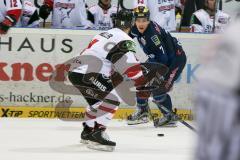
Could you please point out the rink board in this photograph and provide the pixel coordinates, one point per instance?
(29, 56)
(73, 114)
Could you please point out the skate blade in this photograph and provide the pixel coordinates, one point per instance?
(84, 141)
(168, 125)
(136, 122)
(100, 147)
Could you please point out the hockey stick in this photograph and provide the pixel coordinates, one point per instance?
(220, 5)
(173, 114)
(44, 23)
(215, 12)
(36, 3)
(118, 6)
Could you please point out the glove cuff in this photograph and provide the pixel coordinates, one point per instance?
(7, 23)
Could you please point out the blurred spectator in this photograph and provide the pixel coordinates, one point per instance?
(10, 12)
(204, 20)
(101, 14)
(66, 14)
(190, 6)
(162, 12)
(30, 16)
(218, 100)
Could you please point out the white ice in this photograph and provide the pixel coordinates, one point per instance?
(52, 139)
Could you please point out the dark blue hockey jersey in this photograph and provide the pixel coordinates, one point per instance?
(158, 44)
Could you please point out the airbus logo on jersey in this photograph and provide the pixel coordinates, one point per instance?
(98, 84)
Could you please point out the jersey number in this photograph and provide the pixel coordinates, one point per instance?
(13, 3)
(161, 48)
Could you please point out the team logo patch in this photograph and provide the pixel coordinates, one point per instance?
(156, 40)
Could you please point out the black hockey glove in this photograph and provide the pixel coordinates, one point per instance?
(44, 11)
(6, 24)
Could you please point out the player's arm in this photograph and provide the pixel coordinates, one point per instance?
(134, 71)
(14, 10)
(91, 11)
(125, 63)
(178, 3)
(30, 17)
(45, 9)
(196, 25)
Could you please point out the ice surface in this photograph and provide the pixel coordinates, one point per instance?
(52, 139)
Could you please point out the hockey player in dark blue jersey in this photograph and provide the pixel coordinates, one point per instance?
(160, 47)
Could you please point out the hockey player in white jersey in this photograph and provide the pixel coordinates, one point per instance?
(30, 17)
(203, 20)
(10, 12)
(101, 14)
(66, 13)
(162, 12)
(111, 47)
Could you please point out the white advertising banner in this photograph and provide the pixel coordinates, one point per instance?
(29, 56)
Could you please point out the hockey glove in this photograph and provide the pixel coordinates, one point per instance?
(6, 24)
(44, 11)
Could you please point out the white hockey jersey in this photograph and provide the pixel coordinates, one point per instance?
(100, 47)
(9, 5)
(70, 14)
(102, 18)
(162, 12)
(222, 20)
(28, 10)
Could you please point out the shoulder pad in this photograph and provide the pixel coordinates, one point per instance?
(120, 50)
(127, 45)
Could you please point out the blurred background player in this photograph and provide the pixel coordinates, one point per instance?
(10, 12)
(30, 17)
(203, 20)
(66, 14)
(162, 12)
(218, 99)
(160, 47)
(101, 14)
(119, 43)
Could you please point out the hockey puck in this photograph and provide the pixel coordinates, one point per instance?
(160, 135)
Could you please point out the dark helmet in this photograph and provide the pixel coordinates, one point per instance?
(141, 11)
(123, 19)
